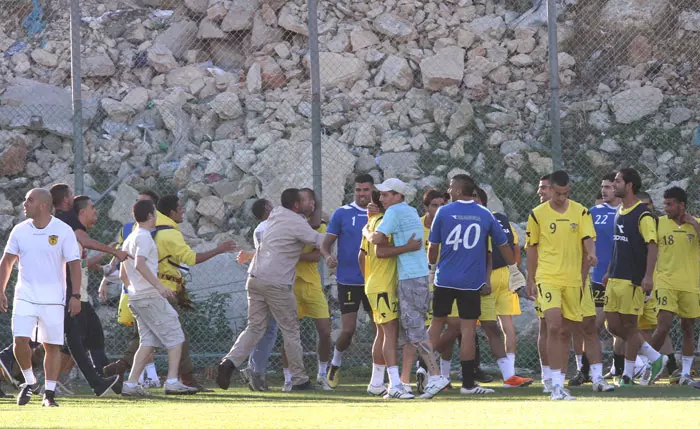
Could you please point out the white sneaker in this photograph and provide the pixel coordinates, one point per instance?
(644, 375)
(287, 387)
(476, 390)
(561, 394)
(136, 391)
(398, 393)
(421, 375)
(601, 385)
(547, 383)
(686, 380)
(407, 387)
(435, 386)
(150, 383)
(376, 390)
(178, 388)
(323, 382)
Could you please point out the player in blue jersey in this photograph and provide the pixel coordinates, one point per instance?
(459, 235)
(346, 226)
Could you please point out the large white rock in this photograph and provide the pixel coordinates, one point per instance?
(227, 105)
(287, 164)
(460, 120)
(633, 13)
(179, 37)
(337, 69)
(634, 104)
(443, 69)
(690, 20)
(395, 27)
(44, 58)
(121, 210)
(161, 58)
(240, 15)
(360, 39)
(213, 208)
(396, 71)
(489, 26)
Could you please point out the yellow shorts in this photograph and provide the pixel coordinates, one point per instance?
(567, 298)
(648, 319)
(507, 302)
(621, 296)
(685, 305)
(311, 301)
(587, 302)
(385, 306)
(488, 308)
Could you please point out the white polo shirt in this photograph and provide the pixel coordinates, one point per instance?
(43, 254)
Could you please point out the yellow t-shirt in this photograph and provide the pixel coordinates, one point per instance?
(381, 274)
(426, 234)
(677, 265)
(558, 238)
(307, 270)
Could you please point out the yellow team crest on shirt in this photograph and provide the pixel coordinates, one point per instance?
(574, 226)
(53, 239)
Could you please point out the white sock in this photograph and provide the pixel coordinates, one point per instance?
(648, 351)
(151, 371)
(511, 356)
(596, 371)
(50, 385)
(557, 378)
(579, 362)
(29, 376)
(506, 367)
(629, 369)
(337, 358)
(377, 375)
(287, 375)
(445, 368)
(394, 377)
(322, 368)
(687, 364)
(130, 384)
(641, 360)
(546, 372)
(171, 380)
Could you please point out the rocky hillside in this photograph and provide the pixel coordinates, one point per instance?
(213, 97)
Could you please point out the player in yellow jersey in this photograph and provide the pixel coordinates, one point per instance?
(379, 267)
(677, 276)
(557, 233)
(311, 300)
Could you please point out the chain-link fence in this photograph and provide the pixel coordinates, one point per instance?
(212, 100)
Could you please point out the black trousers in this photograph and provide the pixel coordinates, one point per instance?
(86, 343)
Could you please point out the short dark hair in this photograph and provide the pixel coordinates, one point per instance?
(677, 194)
(59, 192)
(466, 182)
(150, 194)
(610, 177)
(80, 203)
(364, 178)
(259, 208)
(430, 195)
(375, 199)
(630, 175)
(545, 178)
(559, 178)
(290, 196)
(482, 196)
(168, 204)
(310, 192)
(142, 209)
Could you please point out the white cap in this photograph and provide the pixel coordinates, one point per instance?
(394, 184)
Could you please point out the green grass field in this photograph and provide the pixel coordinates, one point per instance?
(350, 407)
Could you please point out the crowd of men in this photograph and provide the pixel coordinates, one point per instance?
(426, 282)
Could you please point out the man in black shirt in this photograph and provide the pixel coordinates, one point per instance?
(84, 331)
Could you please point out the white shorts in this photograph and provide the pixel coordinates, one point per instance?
(48, 319)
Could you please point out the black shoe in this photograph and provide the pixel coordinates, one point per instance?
(578, 379)
(49, 399)
(106, 387)
(117, 387)
(25, 393)
(223, 377)
(481, 377)
(303, 386)
(7, 359)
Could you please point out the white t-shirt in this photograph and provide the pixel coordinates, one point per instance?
(140, 243)
(43, 254)
(258, 233)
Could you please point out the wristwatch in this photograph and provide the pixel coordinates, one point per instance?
(76, 296)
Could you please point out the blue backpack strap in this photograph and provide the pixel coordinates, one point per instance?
(126, 229)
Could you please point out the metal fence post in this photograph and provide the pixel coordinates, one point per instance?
(554, 83)
(315, 99)
(78, 168)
